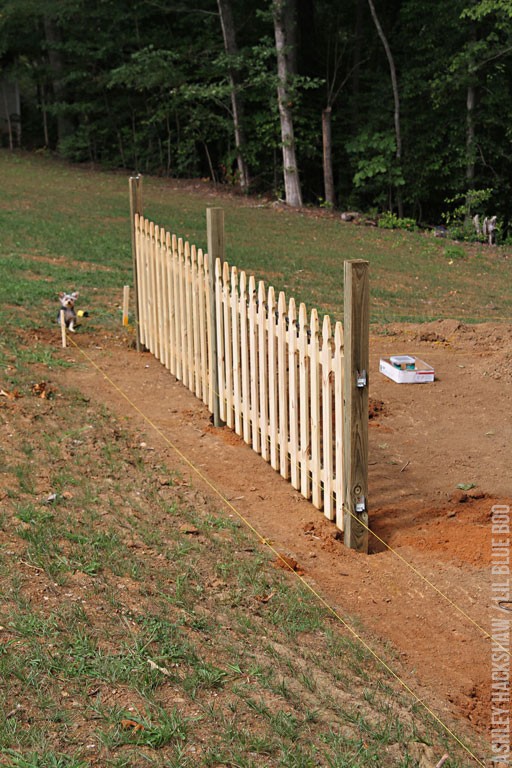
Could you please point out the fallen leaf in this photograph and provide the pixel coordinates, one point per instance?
(191, 530)
(131, 725)
(10, 395)
(40, 390)
(265, 598)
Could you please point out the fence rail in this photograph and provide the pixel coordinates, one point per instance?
(277, 374)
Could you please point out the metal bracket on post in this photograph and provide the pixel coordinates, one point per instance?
(361, 379)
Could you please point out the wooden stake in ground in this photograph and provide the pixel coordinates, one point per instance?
(63, 328)
(135, 183)
(126, 303)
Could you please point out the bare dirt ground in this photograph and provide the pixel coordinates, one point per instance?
(426, 596)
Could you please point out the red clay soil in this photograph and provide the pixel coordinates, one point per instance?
(424, 592)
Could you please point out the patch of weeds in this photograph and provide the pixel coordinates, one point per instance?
(295, 611)
(25, 476)
(217, 522)
(149, 730)
(171, 643)
(29, 513)
(27, 623)
(297, 756)
(308, 681)
(44, 551)
(82, 658)
(187, 587)
(257, 705)
(204, 677)
(455, 252)
(13, 733)
(46, 759)
(41, 355)
(92, 552)
(285, 724)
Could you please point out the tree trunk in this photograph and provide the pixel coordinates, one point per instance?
(470, 128)
(230, 45)
(356, 75)
(470, 146)
(53, 39)
(41, 90)
(327, 156)
(293, 193)
(7, 112)
(396, 96)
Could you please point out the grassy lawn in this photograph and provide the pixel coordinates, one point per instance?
(76, 221)
(136, 627)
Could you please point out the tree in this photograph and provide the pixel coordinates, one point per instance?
(396, 98)
(282, 21)
(53, 40)
(230, 44)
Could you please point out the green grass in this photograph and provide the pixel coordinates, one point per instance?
(66, 226)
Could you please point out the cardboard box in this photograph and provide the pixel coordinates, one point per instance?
(402, 372)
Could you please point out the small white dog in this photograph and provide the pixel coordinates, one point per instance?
(67, 302)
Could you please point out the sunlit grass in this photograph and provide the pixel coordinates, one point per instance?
(69, 226)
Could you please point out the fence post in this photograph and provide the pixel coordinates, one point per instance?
(135, 183)
(355, 443)
(216, 250)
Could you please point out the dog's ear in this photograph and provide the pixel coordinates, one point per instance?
(75, 295)
(61, 295)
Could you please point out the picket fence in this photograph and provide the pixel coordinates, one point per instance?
(279, 374)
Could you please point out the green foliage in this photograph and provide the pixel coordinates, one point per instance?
(147, 87)
(374, 154)
(377, 172)
(484, 8)
(454, 252)
(459, 216)
(389, 220)
(464, 205)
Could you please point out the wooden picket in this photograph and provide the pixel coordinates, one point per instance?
(280, 373)
(174, 305)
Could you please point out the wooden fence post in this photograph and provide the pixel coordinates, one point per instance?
(355, 443)
(216, 250)
(135, 183)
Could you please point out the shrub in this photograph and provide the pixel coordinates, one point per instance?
(388, 220)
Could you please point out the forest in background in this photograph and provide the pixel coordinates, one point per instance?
(401, 106)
